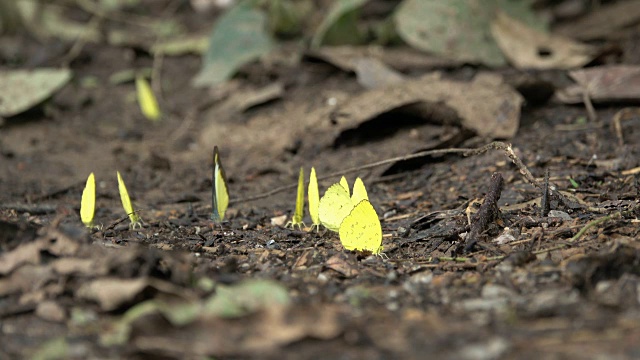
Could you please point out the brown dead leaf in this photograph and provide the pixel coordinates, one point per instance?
(244, 99)
(256, 335)
(26, 278)
(609, 19)
(401, 58)
(25, 254)
(113, 293)
(603, 84)
(304, 260)
(527, 48)
(51, 311)
(485, 105)
(340, 263)
(55, 241)
(373, 73)
(68, 266)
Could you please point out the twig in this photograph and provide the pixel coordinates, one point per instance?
(594, 223)
(545, 203)
(617, 122)
(358, 168)
(487, 213)
(591, 111)
(496, 145)
(156, 77)
(34, 209)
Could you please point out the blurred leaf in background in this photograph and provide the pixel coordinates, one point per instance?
(340, 25)
(459, 29)
(21, 90)
(239, 37)
(287, 17)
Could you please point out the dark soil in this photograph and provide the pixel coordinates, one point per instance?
(531, 287)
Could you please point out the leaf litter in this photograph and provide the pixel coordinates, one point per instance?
(550, 289)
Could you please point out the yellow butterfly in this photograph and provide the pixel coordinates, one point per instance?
(361, 229)
(146, 99)
(126, 204)
(314, 199)
(88, 202)
(219, 193)
(334, 206)
(299, 211)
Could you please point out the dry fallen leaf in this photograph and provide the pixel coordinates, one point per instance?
(605, 22)
(258, 334)
(373, 73)
(340, 263)
(528, 48)
(485, 105)
(113, 293)
(603, 84)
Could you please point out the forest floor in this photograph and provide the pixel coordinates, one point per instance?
(565, 285)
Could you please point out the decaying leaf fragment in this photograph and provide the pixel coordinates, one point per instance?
(528, 48)
(603, 84)
(485, 105)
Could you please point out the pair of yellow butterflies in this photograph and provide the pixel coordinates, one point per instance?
(352, 216)
(88, 202)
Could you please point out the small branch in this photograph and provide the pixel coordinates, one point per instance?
(594, 223)
(545, 203)
(487, 213)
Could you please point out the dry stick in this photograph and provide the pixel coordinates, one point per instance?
(358, 168)
(618, 126)
(594, 223)
(487, 213)
(591, 111)
(545, 202)
(78, 45)
(156, 76)
(496, 145)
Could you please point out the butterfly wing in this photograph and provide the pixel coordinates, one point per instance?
(361, 229)
(146, 99)
(299, 212)
(126, 201)
(334, 206)
(345, 184)
(220, 195)
(359, 192)
(88, 203)
(314, 197)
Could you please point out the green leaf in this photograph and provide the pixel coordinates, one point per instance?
(21, 90)
(340, 26)
(246, 298)
(56, 348)
(239, 37)
(285, 16)
(574, 183)
(459, 29)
